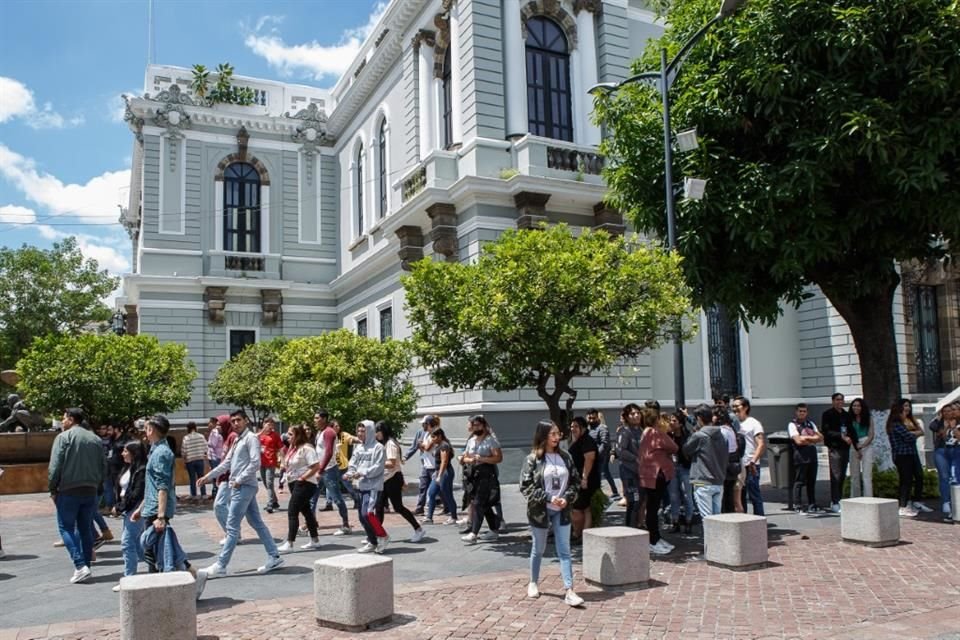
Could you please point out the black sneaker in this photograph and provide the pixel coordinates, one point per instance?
(327, 507)
(268, 508)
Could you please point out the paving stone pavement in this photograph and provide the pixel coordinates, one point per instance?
(815, 586)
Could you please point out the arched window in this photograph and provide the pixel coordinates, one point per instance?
(548, 80)
(360, 190)
(382, 168)
(447, 119)
(241, 208)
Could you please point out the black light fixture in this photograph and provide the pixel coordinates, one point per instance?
(119, 323)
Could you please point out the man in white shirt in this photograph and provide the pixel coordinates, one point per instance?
(753, 452)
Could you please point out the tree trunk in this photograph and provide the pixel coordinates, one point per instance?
(560, 416)
(870, 318)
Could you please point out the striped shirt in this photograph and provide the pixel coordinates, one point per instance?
(193, 447)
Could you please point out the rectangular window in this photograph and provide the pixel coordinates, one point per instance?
(386, 324)
(362, 327)
(240, 339)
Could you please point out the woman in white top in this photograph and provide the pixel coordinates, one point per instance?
(393, 481)
(550, 483)
(302, 464)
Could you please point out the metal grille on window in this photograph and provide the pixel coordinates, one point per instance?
(723, 351)
(362, 327)
(241, 210)
(386, 324)
(447, 102)
(926, 340)
(548, 80)
(240, 339)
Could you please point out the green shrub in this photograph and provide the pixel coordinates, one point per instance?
(598, 506)
(886, 484)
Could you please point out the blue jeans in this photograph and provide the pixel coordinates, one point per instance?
(426, 477)
(221, 505)
(752, 483)
(75, 520)
(243, 504)
(680, 489)
(947, 460)
(194, 471)
(561, 539)
(130, 544)
(331, 480)
(443, 486)
(709, 498)
(368, 505)
(267, 477)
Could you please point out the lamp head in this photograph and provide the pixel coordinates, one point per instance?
(693, 188)
(604, 88)
(729, 7)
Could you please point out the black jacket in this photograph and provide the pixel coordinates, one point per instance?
(134, 495)
(830, 426)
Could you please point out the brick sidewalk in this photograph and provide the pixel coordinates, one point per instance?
(815, 587)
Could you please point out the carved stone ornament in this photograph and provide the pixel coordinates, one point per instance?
(411, 246)
(243, 139)
(172, 115)
(443, 232)
(133, 121)
(441, 42)
(531, 209)
(424, 36)
(593, 6)
(312, 131)
(216, 299)
(550, 9)
(271, 303)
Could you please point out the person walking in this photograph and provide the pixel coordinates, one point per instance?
(861, 458)
(706, 448)
(755, 445)
(243, 463)
(301, 467)
(835, 427)
(330, 474)
(945, 428)
(804, 438)
(655, 469)
(215, 442)
(679, 489)
(420, 444)
(270, 445)
(586, 458)
(915, 426)
(601, 436)
(903, 446)
(75, 475)
(366, 468)
(132, 484)
(393, 481)
(481, 483)
(550, 483)
(628, 448)
(221, 504)
(193, 448)
(441, 483)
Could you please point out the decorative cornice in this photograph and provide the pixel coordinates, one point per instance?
(442, 41)
(593, 6)
(133, 121)
(424, 36)
(171, 114)
(312, 130)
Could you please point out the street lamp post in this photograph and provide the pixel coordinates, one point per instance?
(662, 81)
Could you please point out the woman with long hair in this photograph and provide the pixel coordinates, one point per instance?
(903, 445)
(946, 453)
(550, 481)
(131, 483)
(442, 480)
(584, 451)
(481, 482)
(915, 426)
(656, 470)
(628, 450)
(679, 489)
(861, 461)
(301, 465)
(393, 481)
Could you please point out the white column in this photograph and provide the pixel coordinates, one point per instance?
(586, 36)
(218, 215)
(515, 68)
(437, 104)
(265, 219)
(578, 93)
(426, 101)
(455, 77)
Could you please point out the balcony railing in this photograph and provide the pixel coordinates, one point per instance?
(244, 263)
(414, 183)
(549, 158)
(585, 162)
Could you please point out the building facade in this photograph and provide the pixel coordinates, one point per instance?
(457, 120)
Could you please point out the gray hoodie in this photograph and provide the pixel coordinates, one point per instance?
(707, 451)
(368, 460)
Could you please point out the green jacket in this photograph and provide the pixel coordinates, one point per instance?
(531, 486)
(77, 461)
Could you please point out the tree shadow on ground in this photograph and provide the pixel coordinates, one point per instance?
(206, 605)
(23, 556)
(602, 594)
(398, 620)
(6, 576)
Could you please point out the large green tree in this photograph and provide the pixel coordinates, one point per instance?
(45, 291)
(108, 376)
(353, 377)
(543, 307)
(241, 380)
(829, 135)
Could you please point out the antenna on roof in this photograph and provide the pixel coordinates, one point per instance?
(149, 32)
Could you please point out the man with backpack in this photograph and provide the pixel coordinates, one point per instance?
(805, 437)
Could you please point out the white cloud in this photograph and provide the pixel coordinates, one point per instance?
(94, 247)
(95, 201)
(116, 107)
(14, 214)
(315, 59)
(16, 101)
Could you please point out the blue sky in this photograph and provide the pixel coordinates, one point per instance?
(64, 150)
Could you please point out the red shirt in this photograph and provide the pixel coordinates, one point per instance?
(270, 444)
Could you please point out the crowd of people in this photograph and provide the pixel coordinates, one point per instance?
(675, 468)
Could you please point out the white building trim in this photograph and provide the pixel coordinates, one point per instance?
(515, 94)
(265, 219)
(171, 252)
(309, 260)
(218, 206)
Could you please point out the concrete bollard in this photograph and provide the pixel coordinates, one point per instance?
(353, 591)
(158, 606)
(955, 502)
(874, 522)
(735, 540)
(616, 557)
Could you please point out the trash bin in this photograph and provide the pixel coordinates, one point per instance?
(778, 459)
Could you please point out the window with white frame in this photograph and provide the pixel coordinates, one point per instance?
(241, 208)
(359, 191)
(362, 327)
(386, 324)
(548, 80)
(238, 340)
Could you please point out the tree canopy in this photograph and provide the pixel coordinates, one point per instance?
(108, 376)
(241, 380)
(44, 291)
(353, 377)
(542, 307)
(829, 136)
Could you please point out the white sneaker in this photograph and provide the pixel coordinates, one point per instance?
(286, 547)
(302, 531)
(200, 582)
(382, 544)
(215, 571)
(449, 521)
(343, 531)
(659, 550)
(426, 520)
(470, 538)
(366, 547)
(488, 536)
(272, 563)
(532, 590)
(80, 575)
(666, 545)
(116, 588)
(462, 520)
(572, 599)
(418, 535)
(908, 512)
(835, 507)
(920, 507)
(313, 544)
